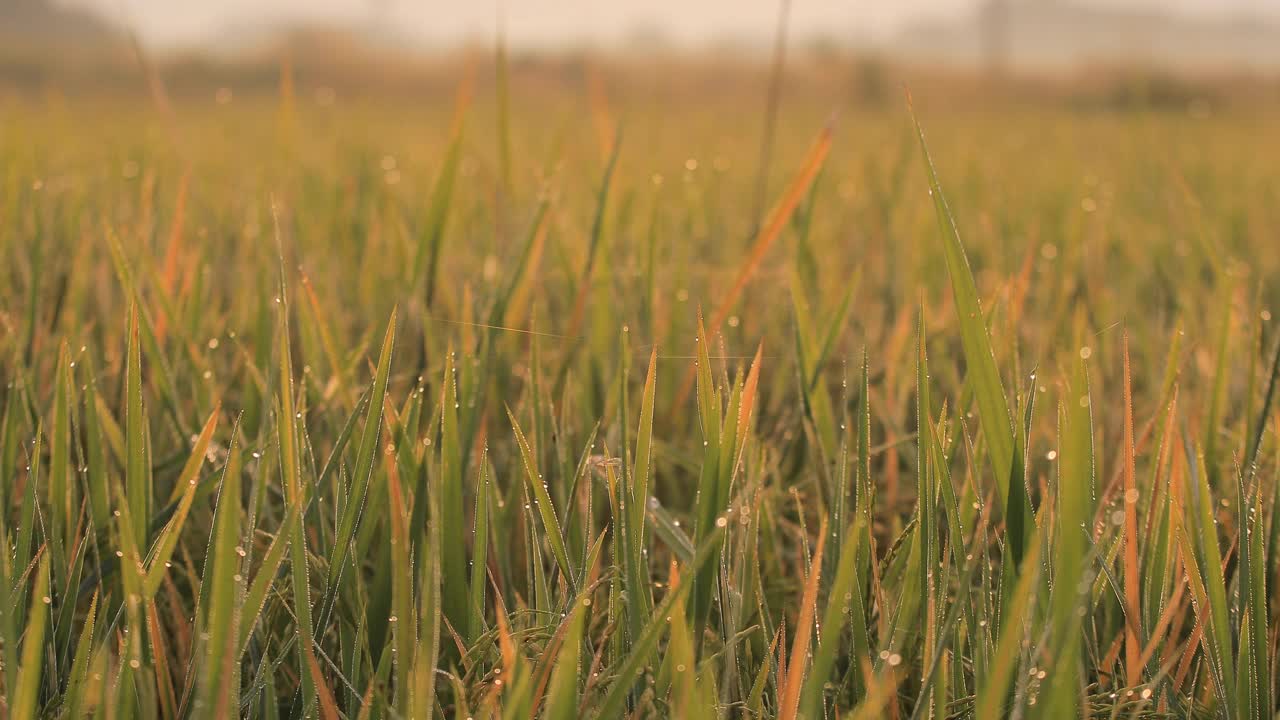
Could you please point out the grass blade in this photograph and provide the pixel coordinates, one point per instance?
(353, 508)
(772, 228)
(137, 467)
(993, 407)
(642, 647)
(219, 692)
(26, 695)
(546, 511)
(167, 540)
(790, 702)
(562, 698)
(454, 577)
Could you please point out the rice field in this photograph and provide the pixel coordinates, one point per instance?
(583, 399)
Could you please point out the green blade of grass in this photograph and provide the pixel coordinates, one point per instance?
(817, 402)
(1218, 393)
(218, 690)
(709, 476)
(667, 527)
(840, 609)
(640, 476)
(480, 551)
(1074, 513)
(428, 651)
(167, 541)
(353, 508)
(137, 468)
(61, 500)
(927, 496)
(1216, 655)
(1202, 523)
(427, 265)
(1253, 667)
(95, 454)
(988, 390)
(994, 692)
(143, 325)
(454, 577)
(255, 597)
(1260, 425)
(77, 682)
(642, 648)
(26, 694)
(546, 511)
(562, 696)
(583, 287)
(286, 427)
(22, 556)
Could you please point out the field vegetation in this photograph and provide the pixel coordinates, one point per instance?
(531, 397)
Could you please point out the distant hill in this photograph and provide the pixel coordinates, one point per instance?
(1041, 34)
(41, 22)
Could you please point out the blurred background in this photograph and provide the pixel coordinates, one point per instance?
(1143, 47)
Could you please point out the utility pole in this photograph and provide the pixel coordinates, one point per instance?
(995, 32)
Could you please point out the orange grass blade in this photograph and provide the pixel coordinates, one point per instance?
(790, 706)
(778, 219)
(1133, 643)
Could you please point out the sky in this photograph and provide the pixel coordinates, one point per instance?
(552, 23)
